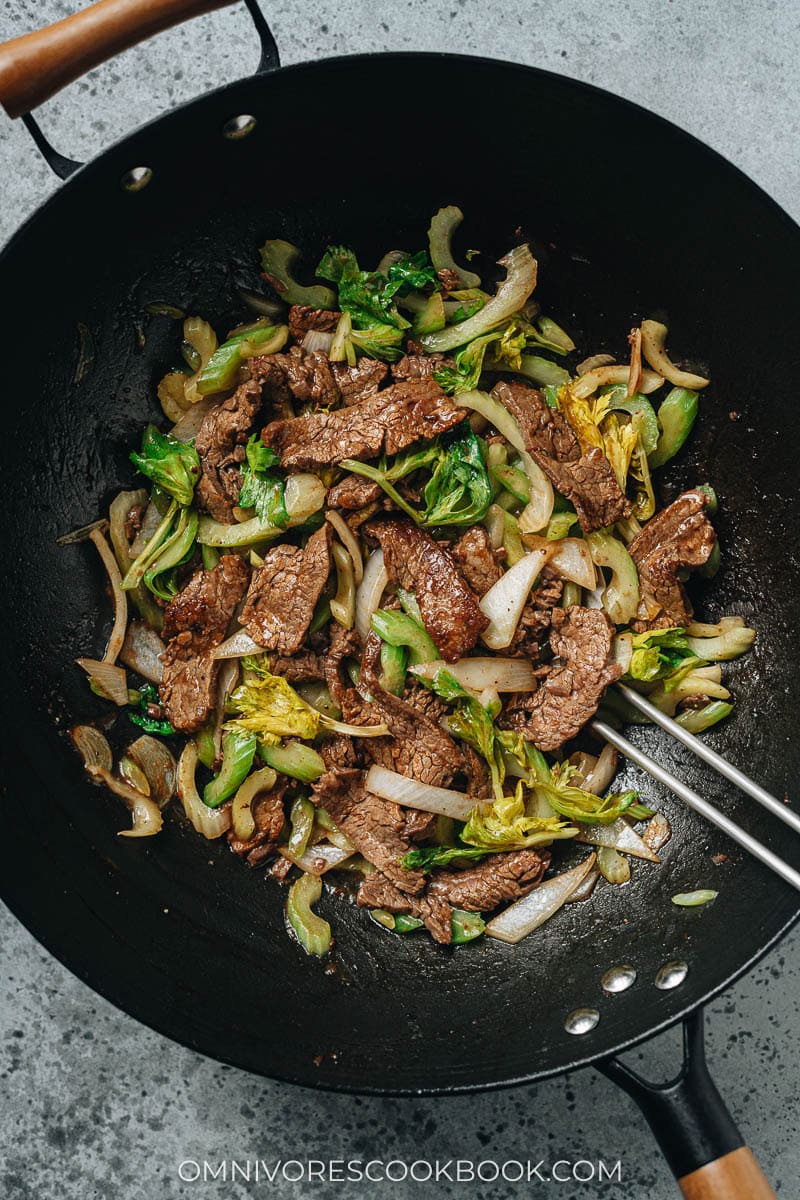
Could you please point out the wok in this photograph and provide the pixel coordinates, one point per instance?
(174, 930)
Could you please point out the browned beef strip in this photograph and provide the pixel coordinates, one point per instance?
(194, 623)
(354, 492)
(303, 667)
(678, 537)
(339, 752)
(303, 318)
(448, 605)
(374, 826)
(379, 892)
(537, 613)
(418, 825)
(418, 746)
(296, 375)
(361, 381)
(478, 561)
(220, 443)
(269, 817)
(386, 422)
(419, 366)
(569, 692)
(284, 593)
(498, 878)
(587, 480)
(345, 643)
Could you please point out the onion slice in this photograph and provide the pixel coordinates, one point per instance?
(147, 819)
(93, 747)
(590, 381)
(120, 599)
(477, 674)
(520, 280)
(619, 836)
(157, 764)
(612, 865)
(111, 681)
(505, 600)
(570, 558)
(444, 801)
(368, 597)
(348, 540)
(142, 650)
(317, 340)
(594, 361)
(654, 338)
(188, 426)
(658, 832)
(527, 914)
(603, 771)
(318, 859)
(238, 645)
(211, 822)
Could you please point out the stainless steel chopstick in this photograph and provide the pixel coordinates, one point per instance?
(703, 807)
(720, 764)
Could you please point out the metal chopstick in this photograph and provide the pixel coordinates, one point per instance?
(703, 807)
(720, 764)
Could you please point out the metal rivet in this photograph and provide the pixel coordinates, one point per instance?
(619, 979)
(136, 179)
(671, 975)
(582, 1020)
(239, 127)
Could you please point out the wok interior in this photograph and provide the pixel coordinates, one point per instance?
(629, 219)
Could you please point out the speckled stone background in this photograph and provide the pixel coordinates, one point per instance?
(94, 1105)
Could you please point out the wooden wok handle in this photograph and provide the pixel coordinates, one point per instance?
(36, 66)
(735, 1176)
(693, 1127)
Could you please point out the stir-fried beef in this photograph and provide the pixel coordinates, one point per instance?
(498, 878)
(354, 492)
(220, 443)
(379, 892)
(419, 366)
(417, 745)
(303, 318)
(585, 479)
(194, 623)
(268, 815)
(448, 605)
(339, 752)
(303, 667)
(284, 593)
(373, 825)
(676, 538)
(361, 381)
(387, 422)
(304, 377)
(449, 279)
(536, 615)
(572, 686)
(345, 643)
(418, 825)
(478, 561)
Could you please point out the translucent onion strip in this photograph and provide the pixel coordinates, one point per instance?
(318, 859)
(348, 540)
(599, 377)
(570, 558)
(599, 778)
(619, 836)
(527, 914)
(654, 339)
(147, 819)
(411, 794)
(343, 604)
(142, 650)
(120, 600)
(368, 597)
(477, 674)
(110, 681)
(238, 645)
(505, 600)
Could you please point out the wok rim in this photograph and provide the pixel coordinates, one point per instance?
(27, 910)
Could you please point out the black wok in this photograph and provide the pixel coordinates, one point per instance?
(174, 930)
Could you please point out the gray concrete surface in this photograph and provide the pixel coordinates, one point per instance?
(93, 1105)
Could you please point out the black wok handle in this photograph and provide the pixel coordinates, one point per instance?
(693, 1127)
(36, 66)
